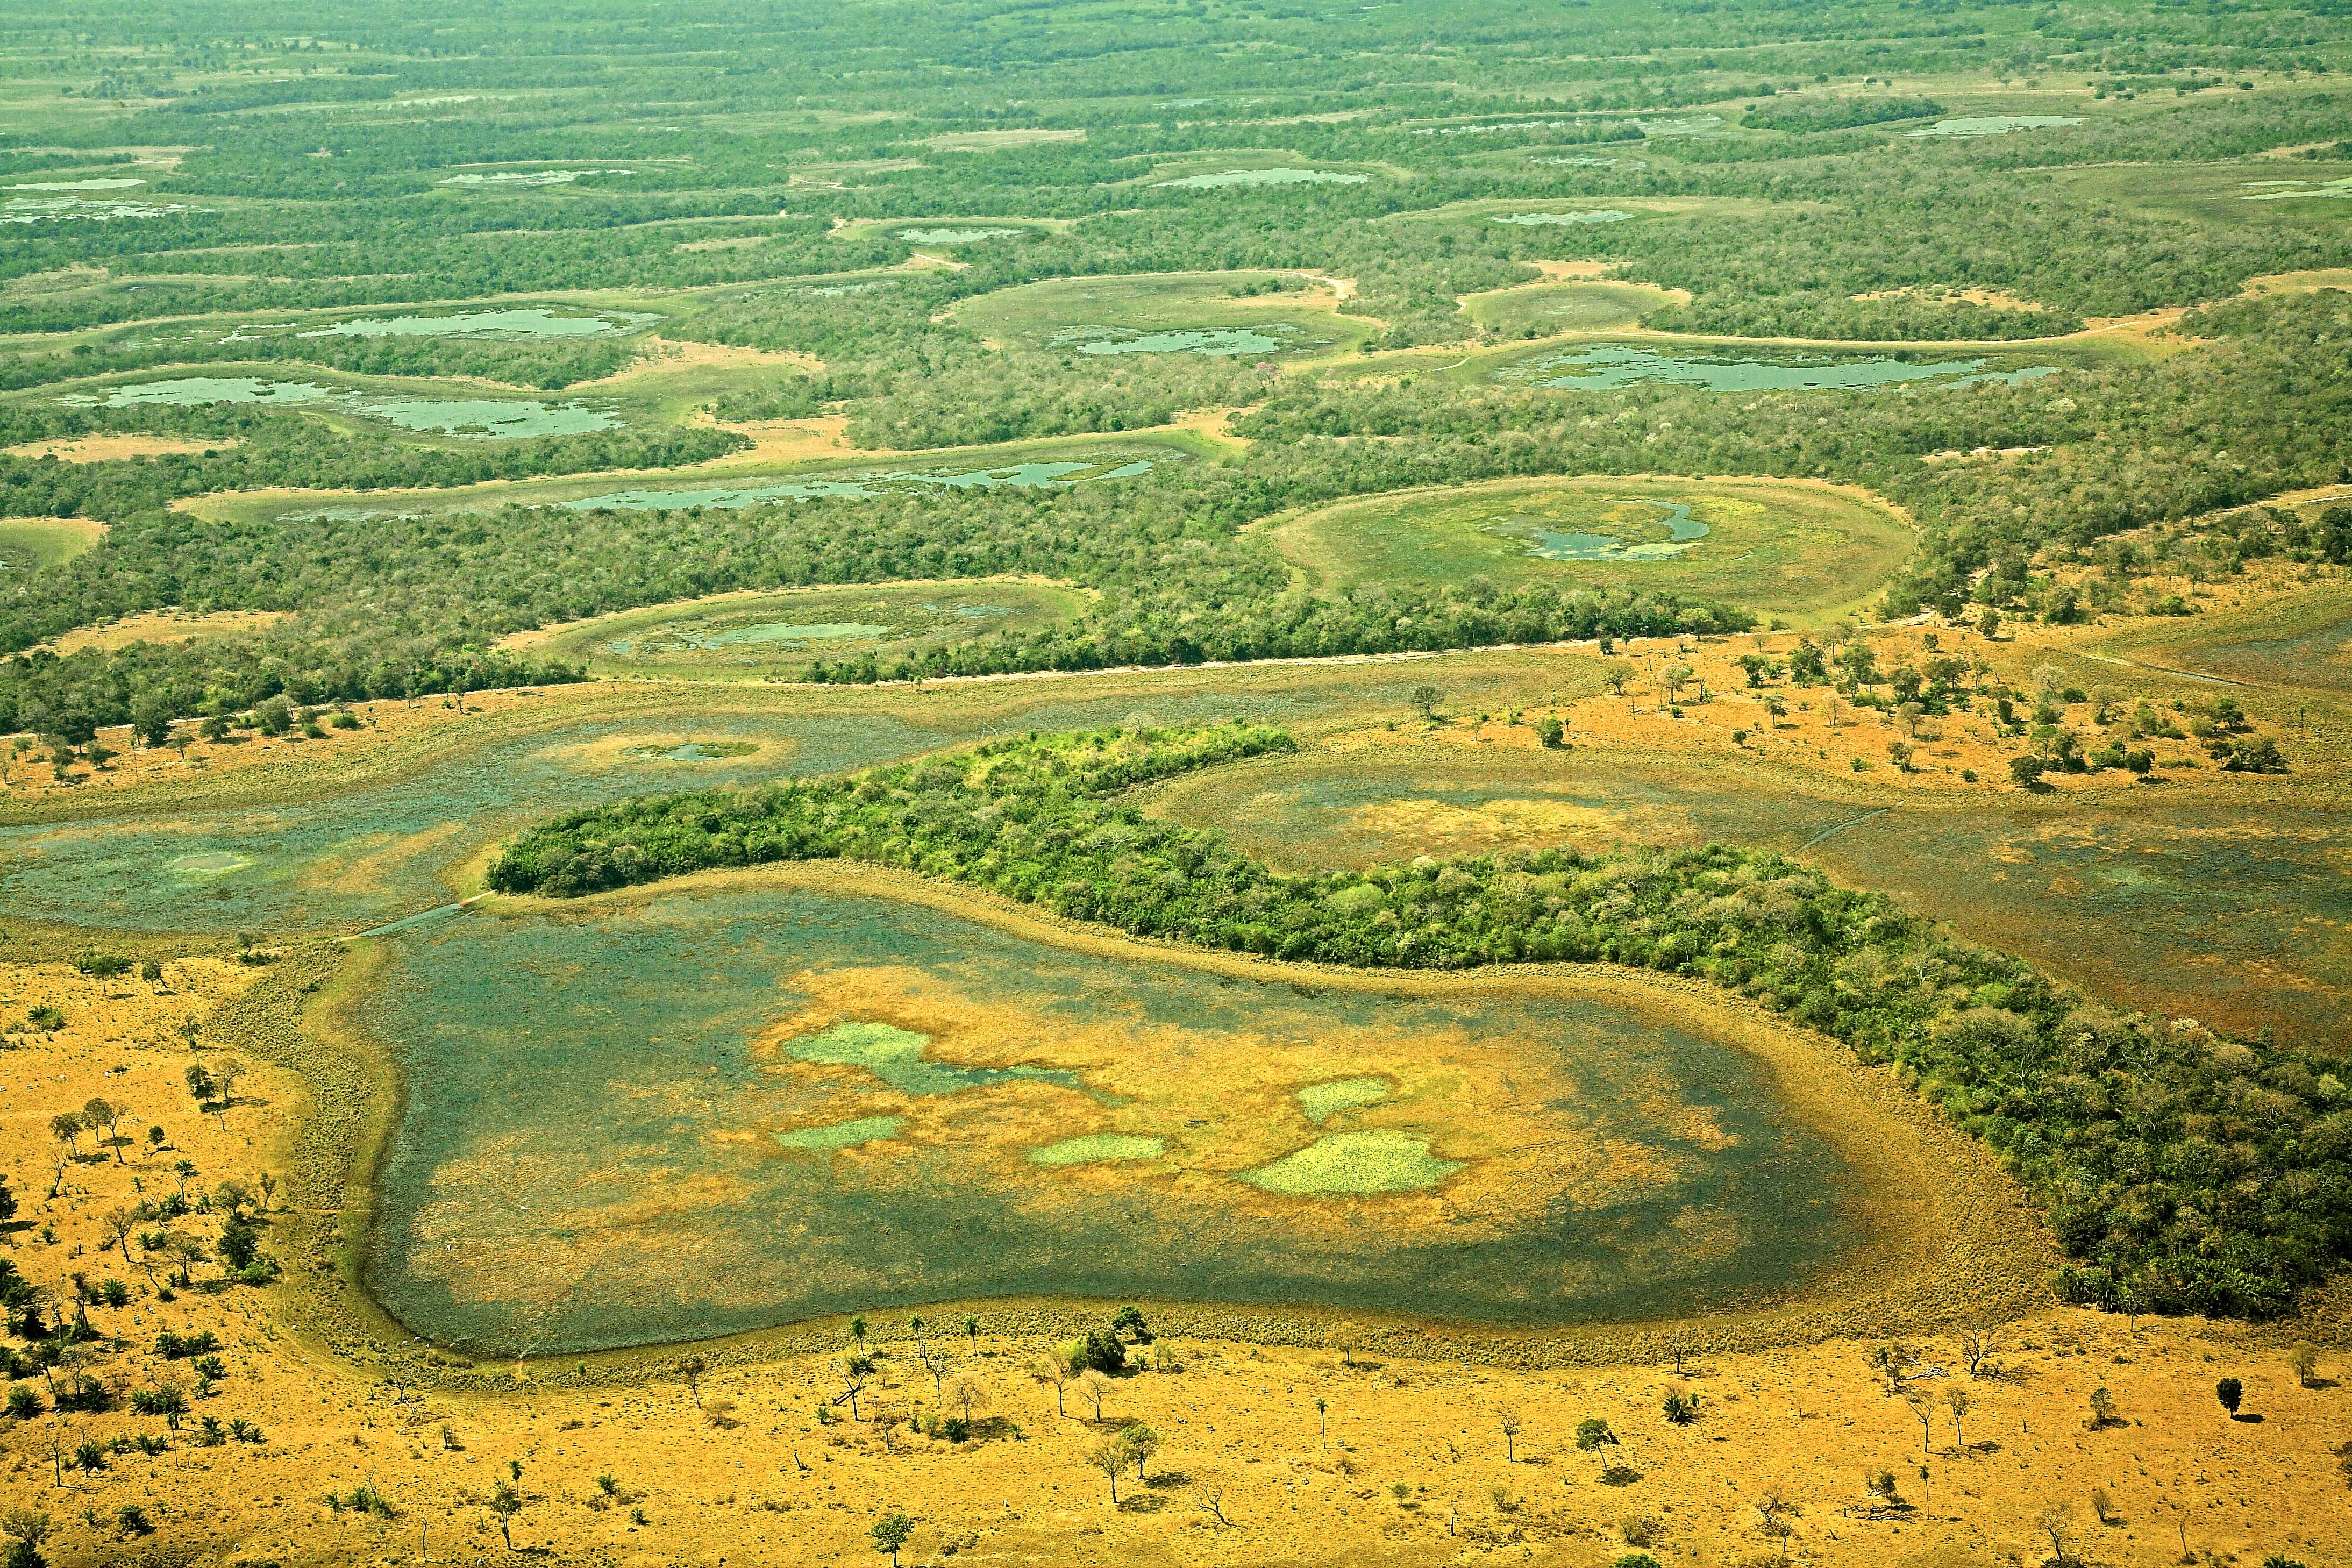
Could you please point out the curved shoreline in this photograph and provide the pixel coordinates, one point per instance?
(1949, 1238)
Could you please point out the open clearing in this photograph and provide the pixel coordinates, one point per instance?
(1804, 552)
(31, 543)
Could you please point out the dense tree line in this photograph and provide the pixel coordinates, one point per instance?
(2181, 1172)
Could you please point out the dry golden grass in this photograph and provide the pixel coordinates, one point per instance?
(113, 448)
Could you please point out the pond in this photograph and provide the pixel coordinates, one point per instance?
(531, 322)
(727, 1109)
(1262, 177)
(1215, 342)
(2234, 915)
(1683, 530)
(374, 852)
(479, 418)
(1995, 124)
(953, 236)
(1598, 214)
(865, 486)
(66, 209)
(1604, 367)
(525, 179)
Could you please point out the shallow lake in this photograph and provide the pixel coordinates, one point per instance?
(484, 418)
(534, 322)
(693, 1131)
(953, 236)
(525, 179)
(1602, 367)
(1264, 178)
(348, 860)
(2231, 916)
(865, 486)
(1211, 341)
(1995, 124)
(1602, 214)
(1683, 530)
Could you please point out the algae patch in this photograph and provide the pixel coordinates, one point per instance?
(1355, 1163)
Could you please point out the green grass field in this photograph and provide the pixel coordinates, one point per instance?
(1806, 553)
(2245, 191)
(29, 542)
(1546, 310)
(1162, 312)
(753, 636)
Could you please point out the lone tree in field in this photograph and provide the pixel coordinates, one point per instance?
(890, 1532)
(1593, 1436)
(2230, 1391)
(1347, 1338)
(1509, 1419)
(691, 1368)
(1425, 701)
(2303, 1362)
(1110, 1457)
(2057, 1523)
(971, 1329)
(1142, 1442)
(506, 1502)
(2103, 1409)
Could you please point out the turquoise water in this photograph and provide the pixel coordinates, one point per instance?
(1602, 367)
(582, 1090)
(865, 486)
(1598, 214)
(1995, 124)
(953, 236)
(354, 859)
(1264, 177)
(1683, 531)
(1213, 342)
(535, 321)
(490, 418)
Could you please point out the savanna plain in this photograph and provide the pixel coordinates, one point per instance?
(1176, 783)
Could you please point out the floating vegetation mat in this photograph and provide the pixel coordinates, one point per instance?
(518, 322)
(673, 1116)
(953, 236)
(87, 209)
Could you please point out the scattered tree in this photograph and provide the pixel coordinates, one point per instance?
(1142, 1442)
(890, 1532)
(1108, 1455)
(506, 1502)
(1094, 1387)
(1509, 1419)
(2230, 1391)
(1956, 1400)
(2303, 1362)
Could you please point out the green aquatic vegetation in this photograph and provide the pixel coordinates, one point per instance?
(2291, 190)
(1099, 1148)
(524, 179)
(865, 486)
(1322, 1101)
(498, 418)
(897, 1056)
(108, 183)
(2140, 1201)
(693, 751)
(1355, 1162)
(1683, 530)
(842, 1134)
